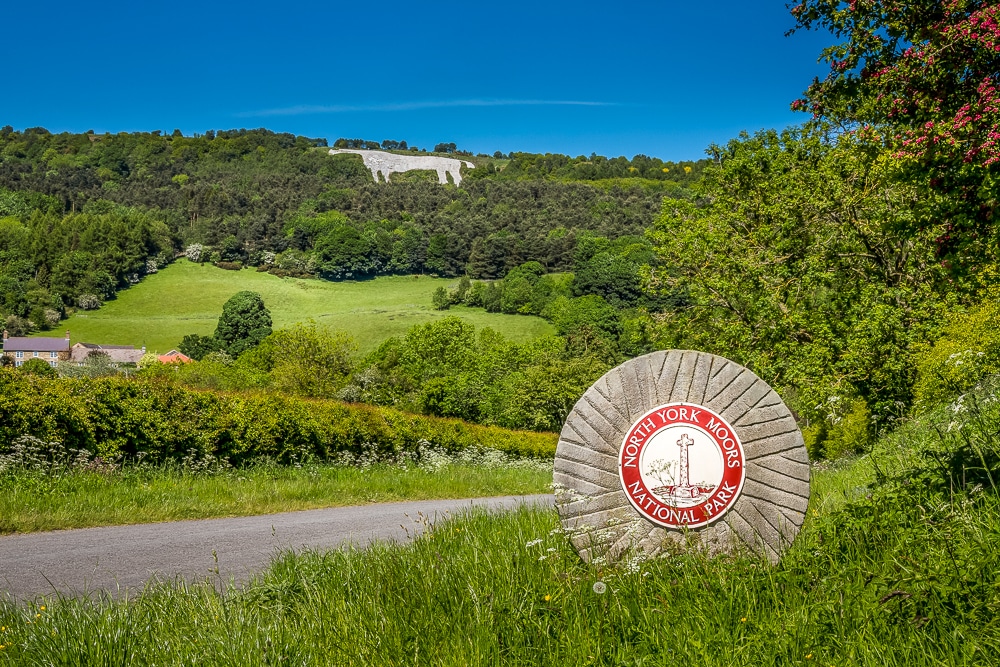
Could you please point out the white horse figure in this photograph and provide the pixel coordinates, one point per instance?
(387, 163)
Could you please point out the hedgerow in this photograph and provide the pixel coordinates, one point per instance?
(159, 421)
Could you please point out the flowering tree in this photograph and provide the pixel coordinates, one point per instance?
(920, 78)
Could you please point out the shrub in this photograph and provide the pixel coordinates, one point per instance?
(967, 352)
(38, 367)
(88, 301)
(844, 431)
(229, 266)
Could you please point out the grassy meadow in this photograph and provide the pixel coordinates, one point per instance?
(186, 298)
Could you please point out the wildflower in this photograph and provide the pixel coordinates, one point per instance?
(743, 620)
(533, 543)
(809, 656)
(600, 587)
(547, 598)
(42, 607)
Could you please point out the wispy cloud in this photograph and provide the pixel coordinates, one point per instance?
(415, 106)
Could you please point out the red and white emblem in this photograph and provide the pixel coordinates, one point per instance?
(682, 465)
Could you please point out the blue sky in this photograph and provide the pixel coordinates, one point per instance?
(616, 78)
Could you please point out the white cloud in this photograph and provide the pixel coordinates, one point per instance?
(302, 110)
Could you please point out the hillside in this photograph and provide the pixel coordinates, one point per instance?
(186, 298)
(84, 216)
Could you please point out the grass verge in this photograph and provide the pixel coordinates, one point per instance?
(506, 589)
(144, 494)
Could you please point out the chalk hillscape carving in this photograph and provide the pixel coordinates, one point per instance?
(380, 162)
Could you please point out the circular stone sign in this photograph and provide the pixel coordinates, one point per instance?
(680, 450)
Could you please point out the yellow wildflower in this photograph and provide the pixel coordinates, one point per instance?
(547, 598)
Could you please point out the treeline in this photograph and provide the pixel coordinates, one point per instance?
(257, 191)
(600, 168)
(535, 166)
(51, 261)
(445, 369)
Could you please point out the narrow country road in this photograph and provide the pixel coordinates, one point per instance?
(122, 559)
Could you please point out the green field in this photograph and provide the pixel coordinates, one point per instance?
(187, 298)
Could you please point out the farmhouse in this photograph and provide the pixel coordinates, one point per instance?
(117, 354)
(50, 350)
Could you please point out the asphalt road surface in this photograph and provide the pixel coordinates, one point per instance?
(120, 560)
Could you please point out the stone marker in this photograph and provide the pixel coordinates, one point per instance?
(680, 450)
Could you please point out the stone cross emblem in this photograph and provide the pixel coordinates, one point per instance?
(685, 467)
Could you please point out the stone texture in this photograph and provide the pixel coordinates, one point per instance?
(591, 503)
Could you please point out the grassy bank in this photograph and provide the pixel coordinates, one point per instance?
(506, 589)
(186, 298)
(898, 564)
(35, 501)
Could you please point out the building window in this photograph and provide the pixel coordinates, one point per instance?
(35, 353)
(19, 363)
(52, 363)
(19, 354)
(53, 355)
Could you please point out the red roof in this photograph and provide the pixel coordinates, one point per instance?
(174, 357)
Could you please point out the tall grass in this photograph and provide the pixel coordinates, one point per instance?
(42, 494)
(897, 565)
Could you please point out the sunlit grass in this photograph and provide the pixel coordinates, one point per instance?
(80, 499)
(186, 298)
(889, 574)
(489, 589)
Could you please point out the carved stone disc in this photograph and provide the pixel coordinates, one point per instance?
(676, 451)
